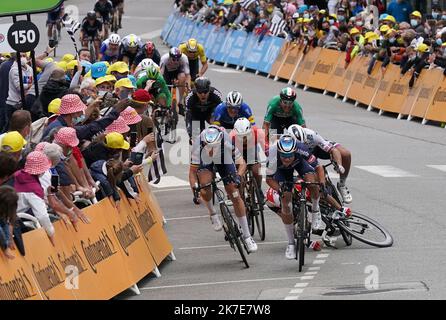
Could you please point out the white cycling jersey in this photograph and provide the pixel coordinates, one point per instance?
(170, 65)
(314, 140)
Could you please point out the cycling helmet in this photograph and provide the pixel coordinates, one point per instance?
(91, 15)
(175, 53)
(298, 133)
(287, 94)
(234, 99)
(212, 135)
(152, 72)
(192, 45)
(132, 41)
(242, 127)
(287, 145)
(145, 63)
(202, 84)
(114, 39)
(150, 47)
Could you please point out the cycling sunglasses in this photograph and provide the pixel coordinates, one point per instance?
(287, 102)
(286, 155)
(202, 91)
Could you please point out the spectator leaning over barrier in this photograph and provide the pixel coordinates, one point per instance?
(108, 173)
(13, 143)
(56, 87)
(417, 62)
(30, 191)
(8, 216)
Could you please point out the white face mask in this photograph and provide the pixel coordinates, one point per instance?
(23, 61)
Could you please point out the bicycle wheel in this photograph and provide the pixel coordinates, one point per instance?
(249, 209)
(366, 230)
(257, 209)
(333, 191)
(300, 248)
(233, 231)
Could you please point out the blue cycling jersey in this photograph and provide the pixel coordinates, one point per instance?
(222, 118)
(107, 53)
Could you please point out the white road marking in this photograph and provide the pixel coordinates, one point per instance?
(215, 283)
(151, 35)
(169, 182)
(187, 218)
(318, 262)
(437, 167)
(292, 298)
(387, 171)
(321, 256)
(307, 277)
(170, 189)
(301, 285)
(314, 268)
(294, 291)
(224, 70)
(310, 273)
(226, 245)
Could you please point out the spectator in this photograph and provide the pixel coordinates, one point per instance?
(108, 173)
(12, 143)
(56, 87)
(5, 68)
(30, 191)
(8, 166)
(8, 216)
(400, 9)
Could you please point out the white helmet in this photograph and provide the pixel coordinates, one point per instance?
(242, 127)
(298, 133)
(145, 63)
(114, 39)
(234, 99)
(212, 135)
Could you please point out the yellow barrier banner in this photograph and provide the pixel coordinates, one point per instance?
(324, 69)
(50, 275)
(399, 87)
(152, 230)
(437, 109)
(307, 65)
(364, 86)
(430, 81)
(145, 189)
(280, 59)
(335, 83)
(411, 97)
(348, 76)
(392, 73)
(291, 60)
(16, 279)
(134, 249)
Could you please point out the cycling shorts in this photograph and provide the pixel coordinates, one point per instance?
(228, 172)
(321, 154)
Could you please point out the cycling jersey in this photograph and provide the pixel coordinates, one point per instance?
(222, 117)
(276, 170)
(156, 57)
(109, 54)
(315, 140)
(198, 111)
(195, 55)
(105, 9)
(91, 30)
(249, 146)
(159, 88)
(170, 65)
(275, 110)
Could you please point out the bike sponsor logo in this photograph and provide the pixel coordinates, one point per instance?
(397, 88)
(371, 282)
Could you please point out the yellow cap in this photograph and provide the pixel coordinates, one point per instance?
(423, 47)
(323, 11)
(416, 14)
(390, 31)
(384, 28)
(354, 31)
(120, 67)
(88, 74)
(6, 54)
(371, 35)
(54, 105)
(72, 64)
(390, 18)
(307, 20)
(333, 15)
(49, 60)
(300, 20)
(107, 78)
(62, 64)
(12, 142)
(115, 140)
(68, 57)
(124, 82)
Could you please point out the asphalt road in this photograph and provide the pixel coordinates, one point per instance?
(390, 181)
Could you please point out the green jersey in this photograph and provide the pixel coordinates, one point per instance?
(159, 88)
(275, 110)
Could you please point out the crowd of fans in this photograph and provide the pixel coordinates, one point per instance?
(73, 141)
(396, 34)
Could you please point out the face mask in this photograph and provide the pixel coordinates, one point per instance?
(331, 22)
(24, 61)
(359, 23)
(413, 22)
(439, 42)
(435, 15)
(341, 18)
(392, 40)
(79, 119)
(90, 100)
(306, 16)
(443, 17)
(102, 93)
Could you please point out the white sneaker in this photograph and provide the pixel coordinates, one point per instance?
(316, 221)
(290, 252)
(216, 222)
(250, 243)
(345, 193)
